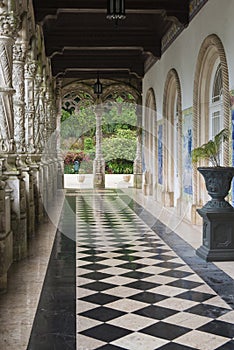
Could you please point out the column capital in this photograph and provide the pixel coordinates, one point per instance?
(19, 52)
(30, 69)
(8, 24)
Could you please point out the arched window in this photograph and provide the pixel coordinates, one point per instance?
(216, 102)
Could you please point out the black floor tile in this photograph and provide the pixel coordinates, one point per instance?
(106, 332)
(182, 283)
(164, 257)
(165, 330)
(228, 346)
(100, 298)
(176, 273)
(96, 275)
(137, 275)
(94, 267)
(132, 266)
(142, 285)
(148, 297)
(92, 258)
(221, 328)
(102, 313)
(195, 296)
(110, 347)
(174, 346)
(98, 286)
(127, 257)
(169, 265)
(207, 310)
(156, 312)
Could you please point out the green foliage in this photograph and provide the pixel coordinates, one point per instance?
(88, 144)
(118, 116)
(211, 150)
(83, 124)
(119, 166)
(119, 148)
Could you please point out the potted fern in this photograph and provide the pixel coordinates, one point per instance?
(217, 214)
(217, 178)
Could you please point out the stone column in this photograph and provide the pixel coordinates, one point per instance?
(60, 179)
(48, 147)
(39, 112)
(14, 178)
(19, 57)
(7, 31)
(99, 162)
(137, 169)
(30, 74)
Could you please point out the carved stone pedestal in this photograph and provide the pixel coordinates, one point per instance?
(29, 187)
(37, 192)
(6, 236)
(148, 183)
(99, 173)
(15, 180)
(218, 236)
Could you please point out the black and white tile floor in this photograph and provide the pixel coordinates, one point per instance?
(134, 292)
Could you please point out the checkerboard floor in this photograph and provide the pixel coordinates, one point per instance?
(134, 292)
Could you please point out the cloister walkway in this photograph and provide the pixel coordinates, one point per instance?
(118, 278)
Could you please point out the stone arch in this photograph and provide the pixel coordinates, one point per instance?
(211, 50)
(172, 171)
(150, 144)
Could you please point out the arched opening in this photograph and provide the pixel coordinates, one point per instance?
(211, 103)
(111, 142)
(150, 144)
(172, 117)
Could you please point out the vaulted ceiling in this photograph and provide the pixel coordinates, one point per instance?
(81, 42)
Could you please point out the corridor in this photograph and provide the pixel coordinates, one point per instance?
(139, 284)
(134, 290)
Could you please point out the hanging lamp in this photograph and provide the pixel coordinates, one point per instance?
(97, 88)
(116, 10)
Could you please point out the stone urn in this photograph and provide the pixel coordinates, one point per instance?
(218, 216)
(218, 182)
(81, 178)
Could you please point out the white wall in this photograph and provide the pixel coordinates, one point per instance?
(216, 17)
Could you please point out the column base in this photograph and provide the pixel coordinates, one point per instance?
(3, 283)
(99, 180)
(137, 181)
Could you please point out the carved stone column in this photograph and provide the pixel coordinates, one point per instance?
(99, 162)
(60, 178)
(39, 112)
(48, 147)
(19, 55)
(7, 31)
(137, 169)
(30, 73)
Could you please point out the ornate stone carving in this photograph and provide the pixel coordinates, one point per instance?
(19, 51)
(29, 74)
(8, 24)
